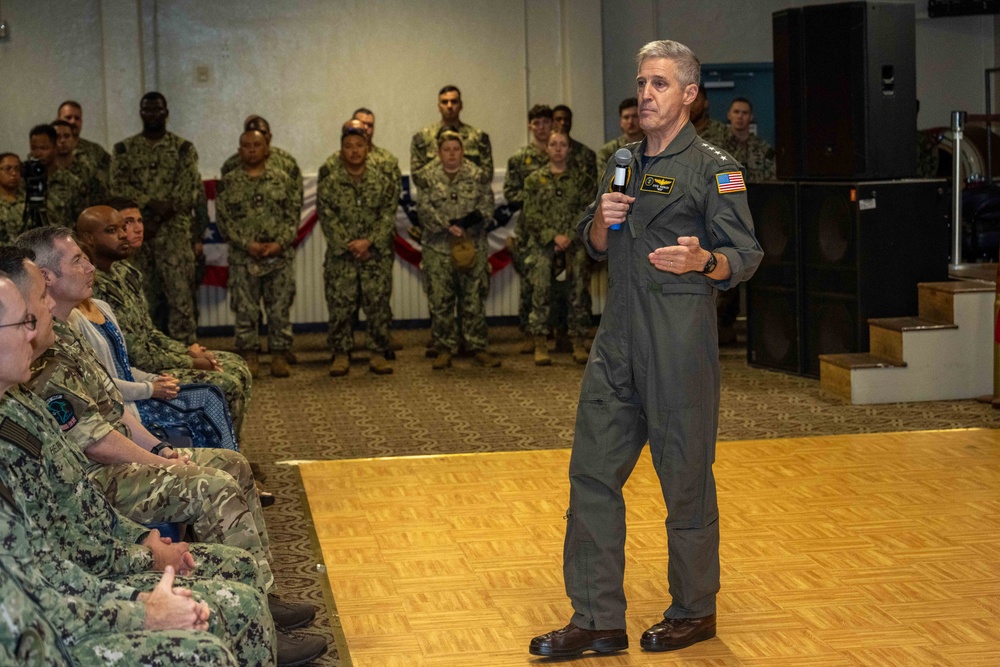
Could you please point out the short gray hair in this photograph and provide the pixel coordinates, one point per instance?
(688, 65)
(41, 241)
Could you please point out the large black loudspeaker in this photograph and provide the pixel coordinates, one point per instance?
(845, 91)
(865, 246)
(774, 294)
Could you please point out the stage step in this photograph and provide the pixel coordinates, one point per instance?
(944, 353)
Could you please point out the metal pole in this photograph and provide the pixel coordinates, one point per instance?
(957, 127)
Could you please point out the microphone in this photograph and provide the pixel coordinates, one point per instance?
(623, 157)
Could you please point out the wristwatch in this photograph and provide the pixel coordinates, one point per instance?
(711, 263)
(158, 448)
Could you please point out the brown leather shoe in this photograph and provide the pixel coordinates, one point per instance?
(671, 634)
(572, 640)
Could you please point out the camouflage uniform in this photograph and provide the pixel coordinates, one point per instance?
(64, 200)
(476, 144)
(350, 210)
(44, 474)
(76, 619)
(98, 156)
(583, 160)
(715, 132)
(154, 352)
(11, 218)
(259, 209)
(282, 161)
(443, 201)
(166, 170)
(93, 183)
(521, 164)
(213, 495)
(755, 155)
(607, 152)
(99, 622)
(552, 205)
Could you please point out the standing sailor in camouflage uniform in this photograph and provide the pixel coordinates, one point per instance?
(454, 207)
(580, 158)
(356, 204)
(555, 196)
(475, 142)
(276, 158)
(120, 284)
(628, 121)
(379, 157)
(93, 184)
(258, 217)
(63, 200)
(755, 154)
(521, 164)
(709, 129)
(72, 113)
(159, 170)
(42, 478)
(11, 198)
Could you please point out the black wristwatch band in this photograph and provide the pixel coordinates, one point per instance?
(158, 448)
(711, 263)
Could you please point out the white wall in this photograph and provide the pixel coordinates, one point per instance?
(303, 64)
(951, 52)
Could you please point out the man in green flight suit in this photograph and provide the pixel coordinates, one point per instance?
(680, 231)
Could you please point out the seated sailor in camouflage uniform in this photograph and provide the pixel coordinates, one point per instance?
(132, 467)
(356, 204)
(59, 537)
(120, 284)
(212, 490)
(555, 197)
(454, 206)
(258, 217)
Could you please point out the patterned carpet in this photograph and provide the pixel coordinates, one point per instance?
(516, 407)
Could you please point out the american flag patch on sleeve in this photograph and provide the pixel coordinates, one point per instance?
(731, 181)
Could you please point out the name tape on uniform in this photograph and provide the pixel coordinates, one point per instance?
(661, 185)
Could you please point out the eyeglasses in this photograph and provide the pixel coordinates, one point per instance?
(30, 322)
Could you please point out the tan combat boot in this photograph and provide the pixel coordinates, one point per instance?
(542, 351)
(279, 365)
(290, 357)
(340, 365)
(253, 363)
(486, 359)
(379, 365)
(580, 354)
(442, 361)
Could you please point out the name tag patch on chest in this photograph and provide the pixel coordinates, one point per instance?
(731, 181)
(62, 410)
(660, 185)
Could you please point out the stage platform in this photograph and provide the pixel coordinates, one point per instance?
(879, 549)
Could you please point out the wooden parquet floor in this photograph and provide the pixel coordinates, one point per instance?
(876, 549)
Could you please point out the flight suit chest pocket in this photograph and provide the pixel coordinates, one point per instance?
(653, 204)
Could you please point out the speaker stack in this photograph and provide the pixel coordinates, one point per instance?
(842, 240)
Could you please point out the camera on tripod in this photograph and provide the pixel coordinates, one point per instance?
(36, 187)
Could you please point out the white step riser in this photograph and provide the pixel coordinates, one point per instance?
(947, 364)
